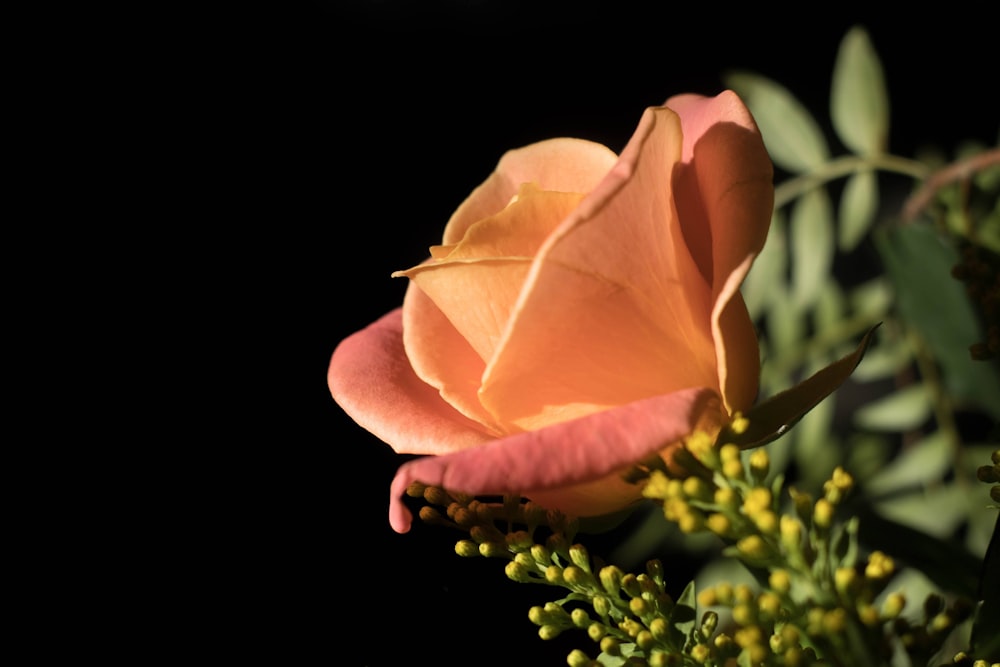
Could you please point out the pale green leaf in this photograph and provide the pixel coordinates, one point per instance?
(792, 136)
(872, 299)
(811, 232)
(882, 362)
(919, 464)
(768, 269)
(859, 101)
(902, 410)
(936, 512)
(858, 208)
(831, 307)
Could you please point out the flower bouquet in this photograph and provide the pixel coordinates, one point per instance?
(656, 338)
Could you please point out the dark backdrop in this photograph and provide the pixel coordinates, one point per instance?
(371, 122)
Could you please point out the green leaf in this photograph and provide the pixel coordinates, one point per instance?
(883, 361)
(924, 462)
(903, 410)
(768, 269)
(792, 136)
(859, 102)
(774, 416)
(872, 299)
(937, 512)
(812, 242)
(858, 207)
(933, 303)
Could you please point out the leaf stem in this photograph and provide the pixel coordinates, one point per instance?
(843, 166)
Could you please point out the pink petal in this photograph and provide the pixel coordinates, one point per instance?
(615, 310)
(725, 188)
(559, 165)
(371, 379)
(561, 456)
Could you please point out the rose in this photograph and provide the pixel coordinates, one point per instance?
(581, 314)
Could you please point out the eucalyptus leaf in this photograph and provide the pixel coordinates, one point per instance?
(919, 464)
(933, 303)
(937, 512)
(858, 208)
(768, 269)
(811, 232)
(859, 101)
(791, 135)
(774, 416)
(905, 409)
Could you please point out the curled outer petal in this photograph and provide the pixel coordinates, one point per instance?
(571, 453)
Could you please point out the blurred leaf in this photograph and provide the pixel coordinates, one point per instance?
(812, 244)
(924, 462)
(768, 269)
(859, 102)
(858, 206)
(936, 306)
(905, 409)
(831, 306)
(792, 136)
(872, 299)
(774, 416)
(883, 361)
(937, 512)
(944, 561)
(867, 453)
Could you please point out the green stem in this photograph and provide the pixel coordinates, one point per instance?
(843, 166)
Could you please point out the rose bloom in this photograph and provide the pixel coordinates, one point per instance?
(581, 314)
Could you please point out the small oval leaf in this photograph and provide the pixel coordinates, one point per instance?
(859, 102)
(858, 207)
(902, 410)
(811, 233)
(768, 269)
(792, 136)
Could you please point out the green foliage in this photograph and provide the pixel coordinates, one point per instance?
(859, 102)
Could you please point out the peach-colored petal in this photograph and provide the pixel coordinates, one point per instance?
(371, 379)
(477, 282)
(615, 309)
(442, 358)
(725, 194)
(559, 165)
(562, 455)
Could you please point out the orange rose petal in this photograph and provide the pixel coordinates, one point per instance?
(566, 454)
(558, 165)
(725, 186)
(371, 379)
(477, 282)
(442, 358)
(612, 299)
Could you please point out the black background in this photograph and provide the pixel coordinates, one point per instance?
(369, 123)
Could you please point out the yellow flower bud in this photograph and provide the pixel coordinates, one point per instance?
(766, 521)
(834, 621)
(696, 488)
(691, 521)
(743, 593)
(740, 424)
(644, 640)
(547, 632)
(879, 566)
(780, 581)
(726, 497)
(791, 531)
(760, 464)
(611, 646)
(466, 548)
(578, 658)
(708, 598)
(744, 614)
(894, 603)
(719, 524)
(845, 580)
(823, 513)
(700, 653)
(554, 574)
(733, 469)
(769, 606)
(596, 631)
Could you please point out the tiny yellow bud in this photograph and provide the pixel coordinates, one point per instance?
(466, 548)
(834, 621)
(845, 580)
(602, 606)
(780, 581)
(766, 521)
(700, 653)
(753, 547)
(611, 578)
(517, 572)
(575, 576)
(541, 554)
(743, 593)
(823, 513)
(791, 532)
(719, 524)
(659, 627)
(744, 614)
(729, 452)
(611, 646)
(740, 424)
(894, 603)
(578, 554)
(644, 640)
(691, 521)
(578, 658)
(879, 566)
(547, 632)
(758, 499)
(760, 464)
(733, 469)
(493, 549)
(757, 653)
(596, 631)
(553, 574)
(726, 497)
(709, 622)
(708, 598)
(639, 607)
(724, 593)
(749, 636)
(769, 606)
(790, 635)
(868, 615)
(803, 503)
(696, 488)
